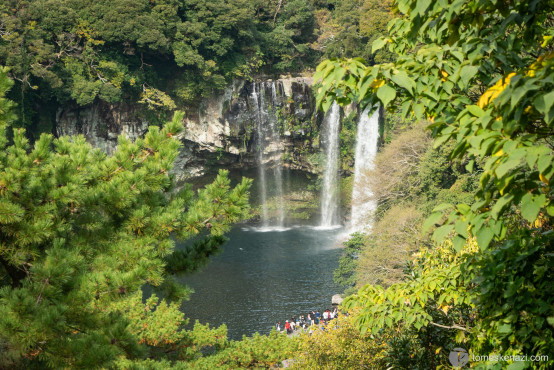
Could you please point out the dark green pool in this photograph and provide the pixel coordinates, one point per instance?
(265, 276)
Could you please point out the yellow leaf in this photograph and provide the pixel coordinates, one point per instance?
(543, 179)
(377, 84)
(495, 90)
(539, 222)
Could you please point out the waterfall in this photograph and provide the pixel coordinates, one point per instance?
(262, 186)
(330, 190)
(275, 139)
(367, 136)
(269, 150)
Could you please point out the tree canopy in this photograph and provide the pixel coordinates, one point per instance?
(168, 53)
(82, 232)
(146, 51)
(483, 73)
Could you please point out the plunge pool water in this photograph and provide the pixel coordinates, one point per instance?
(263, 276)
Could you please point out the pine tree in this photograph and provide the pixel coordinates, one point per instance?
(80, 234)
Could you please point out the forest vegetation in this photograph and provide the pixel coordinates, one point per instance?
(461, 252)
(482, 74)
(166, 54)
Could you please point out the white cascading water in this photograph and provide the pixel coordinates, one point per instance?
(262, 187)
(330, 190)
(363, 204)
(268, 139)
(278, 168)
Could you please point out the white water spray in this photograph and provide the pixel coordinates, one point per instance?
(363, 204)
(330, 191)
(268, 140)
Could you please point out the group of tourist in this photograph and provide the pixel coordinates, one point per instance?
(304, 322)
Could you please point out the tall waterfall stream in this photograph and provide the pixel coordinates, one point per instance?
(269, 149)
(330, 192)
(367, 137)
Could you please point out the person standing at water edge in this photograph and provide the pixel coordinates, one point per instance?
(287, 327)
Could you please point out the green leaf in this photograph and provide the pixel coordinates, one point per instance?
(403, 80)
(378, 44)
(484, 237)
(464, 209)
(421, 7)
(458, 242)
(467, 73)
(366, 84)
(506, 166)
(442, 232)
(442, 207)
(431, 220)
(432, 285)
(461, 228)
(475, 110)
(505, 328)
(500, 205)
(326, 104)
(531, 205)
(550, 209)
(403, 7)
(544, 162)
(548, 101)
(470, 165)
(386, 94)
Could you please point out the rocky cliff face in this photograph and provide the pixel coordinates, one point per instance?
(224, 131)
(101, 123)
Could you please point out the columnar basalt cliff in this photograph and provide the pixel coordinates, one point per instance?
(222, 131)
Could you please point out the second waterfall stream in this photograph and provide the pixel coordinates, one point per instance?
(363, 204)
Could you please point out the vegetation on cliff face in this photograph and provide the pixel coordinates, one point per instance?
(483, 73)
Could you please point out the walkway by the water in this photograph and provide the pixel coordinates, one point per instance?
(307, 323)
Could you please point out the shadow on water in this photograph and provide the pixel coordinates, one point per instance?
(264, 277)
